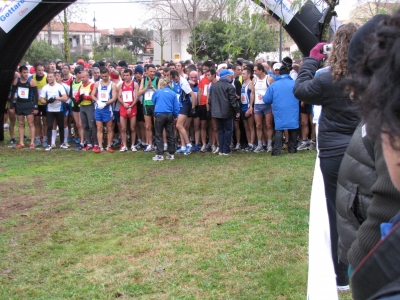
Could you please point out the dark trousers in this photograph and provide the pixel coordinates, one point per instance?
(59, 117)
(165, 121)
(225, 130)
(278, 142)
(330, 168)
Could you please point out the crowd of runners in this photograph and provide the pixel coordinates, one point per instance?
(107, 106)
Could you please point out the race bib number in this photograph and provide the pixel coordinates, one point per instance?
(259, 97)
(85, 92)
(103, 97)
(39, 93)
(127, 96)
(243, 99)
(148, 95)
(74, 92)
(205, 90)
(23, 93)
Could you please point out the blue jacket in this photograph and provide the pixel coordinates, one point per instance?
(166, 102)
(284, 104)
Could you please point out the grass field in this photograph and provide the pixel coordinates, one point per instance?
(102, 226)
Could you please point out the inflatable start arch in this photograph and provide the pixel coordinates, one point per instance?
(20, 23)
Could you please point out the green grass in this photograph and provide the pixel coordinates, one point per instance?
(95, 226)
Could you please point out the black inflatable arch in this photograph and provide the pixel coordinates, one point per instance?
(14, 44)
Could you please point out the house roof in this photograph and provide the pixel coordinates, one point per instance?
(73, 26)
(117, 31)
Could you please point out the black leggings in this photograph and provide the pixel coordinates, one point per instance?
(59, 117)
(330, 168)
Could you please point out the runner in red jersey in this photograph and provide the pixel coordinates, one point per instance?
(128, 96)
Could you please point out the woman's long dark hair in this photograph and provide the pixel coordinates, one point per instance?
(376, 85)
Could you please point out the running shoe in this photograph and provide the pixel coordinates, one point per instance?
(158, 157)
(303, 146)
(195, 148)
(133, 149)
(237, 147)
(53, 145)
(77, 141)
(44, 144)
(69, 139)
(48, 148)
(213, 148)
(138, 145)
(180, 150)
(203, 149)
(19, 146)
(269, 149)
(149, 148)
(6, 126)
(312, 146)
(96, 149)
(31, 147)
(87, 148)
(37, 142)
(110, 150)
(78, 147)
(64, 146)
(226, 154)
(259, 149)
(216, 150)
(170, 157)
(123, 149)
(12, 141)
(188, 150)
(249, 148)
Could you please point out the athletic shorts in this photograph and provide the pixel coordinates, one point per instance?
(262, 109)
(117, 118)
(139, 114)
(201, 111)
(75, 108)
(103, 115)
(306, 109)
(243, 115)
(23, 108)
(148, 110)
(67, 109)
(123, 112)
(42, 110)
(185, 109)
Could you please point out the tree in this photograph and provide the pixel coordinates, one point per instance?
(41, 50)
(74, 12)
(250, 35)
(207, 40)
(136, 41)
(365, 10)
(161, 32)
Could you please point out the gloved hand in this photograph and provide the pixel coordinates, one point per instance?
(316, 52)
(51, 100)
(101, 105)
(208, 115)
(81, 97)
(193, 113)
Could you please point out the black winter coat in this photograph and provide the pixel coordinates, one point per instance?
(353, 195)
(222, 100)
(339, 117)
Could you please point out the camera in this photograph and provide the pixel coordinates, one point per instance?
(327, 49)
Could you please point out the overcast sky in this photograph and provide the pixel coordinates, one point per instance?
(125, 15)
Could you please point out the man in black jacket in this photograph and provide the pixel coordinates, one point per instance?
(224, 106)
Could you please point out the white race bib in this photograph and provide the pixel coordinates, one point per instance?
(205, 90)
(148, 95)
(127, 96)
(103, 97)
(243, 99)
(39, 93)
(85, 92)
(74, 92)
(23, 93)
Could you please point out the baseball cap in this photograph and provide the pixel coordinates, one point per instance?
(225, 73)
(277, 66)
